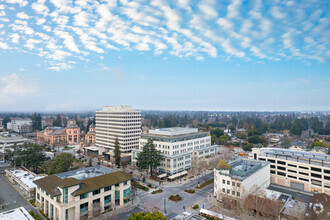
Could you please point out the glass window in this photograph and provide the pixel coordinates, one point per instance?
(83, 196)
(125, 183)
(126, 192)
(65, 195)
(84, 207)
(38, 196)
(316, 169)
(117, 195)
(107, 199)
(107, 188)
(95, 192)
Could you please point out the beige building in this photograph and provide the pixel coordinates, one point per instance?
(181, 149)
(90, 136)
(240, 178)
(300, 170)
(81, 194)
(122, 122)
(59, 135)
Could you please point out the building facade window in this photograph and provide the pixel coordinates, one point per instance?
(65, 195)
(83, 196)
(107, 199)
(126, 192)
(97, 191)
(107, 188)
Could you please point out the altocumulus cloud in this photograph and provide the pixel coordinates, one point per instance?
(67, 32)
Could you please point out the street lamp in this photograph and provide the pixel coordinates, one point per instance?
(165, 206)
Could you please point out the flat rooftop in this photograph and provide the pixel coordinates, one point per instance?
(175, 131)
(121, 108)
(86, 173)
(243, 168)
(297, 156)
(26, 178)
(16, 214)
(5, 136)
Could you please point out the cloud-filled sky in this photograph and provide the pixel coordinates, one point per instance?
(65, 55)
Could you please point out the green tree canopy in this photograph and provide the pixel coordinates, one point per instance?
(61, 163)
(58, 121)
(117, 153)
(36, 122)
(5, 121)
(30, 156)
(147, 216)
(255, 139)
(149, 158)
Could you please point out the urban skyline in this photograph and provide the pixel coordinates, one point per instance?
(189, 55)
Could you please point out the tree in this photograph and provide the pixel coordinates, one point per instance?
(31, 156)
(315, 124)
(285, 142)
(58, 121)
(61, 163)
(117, 153)
(36, 122)
(255, 139)
(147, 216)
(5, 121)
(149, 158)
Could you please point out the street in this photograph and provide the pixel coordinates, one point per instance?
(160, 201)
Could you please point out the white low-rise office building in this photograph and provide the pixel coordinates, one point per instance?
(239, 178)
(23, 179)
(300, 170)
(20, 125)
(180, 148)
(8, 140)
(83, 193)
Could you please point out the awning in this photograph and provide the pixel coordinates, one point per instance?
(178, 174)
(162, 175)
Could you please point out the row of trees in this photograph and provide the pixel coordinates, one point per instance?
(32, 157)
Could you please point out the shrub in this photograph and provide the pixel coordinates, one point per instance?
(139, 186)
(190, 191)
(175, 198)
(31, 213)
(205, 184)
(195, 206)
(149, 185)
(157, 191)
(35, 216)
(143, 179)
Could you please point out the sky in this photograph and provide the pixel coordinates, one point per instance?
(229, 55)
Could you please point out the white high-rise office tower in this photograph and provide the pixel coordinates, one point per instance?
(118, 121)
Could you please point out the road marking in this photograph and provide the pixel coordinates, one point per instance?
(194, 204)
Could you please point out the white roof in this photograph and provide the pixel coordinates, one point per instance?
(16, 214)
(173, 131)
(25, 177)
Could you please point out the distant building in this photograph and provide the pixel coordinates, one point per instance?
(300, 170)
(8, 140)
(83, 193)
(122, 122)
(23, 179)
(181, 149)
(16, 214)
(59, 135)
(90, 136)
(239, 178)
(20, 125)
